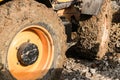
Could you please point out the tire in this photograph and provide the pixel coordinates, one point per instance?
(19, 16)
(94, 32)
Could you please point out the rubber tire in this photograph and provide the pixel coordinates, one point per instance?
(91, 32)
(18, 14)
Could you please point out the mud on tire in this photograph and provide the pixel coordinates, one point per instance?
(16, 15)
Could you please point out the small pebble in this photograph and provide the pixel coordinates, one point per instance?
(74, 79)
(93, 71)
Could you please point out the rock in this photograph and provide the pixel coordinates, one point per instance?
(74, 79)
(88, 74)
(66, 79)
(93, 71)
(68, 67)
(85, 70)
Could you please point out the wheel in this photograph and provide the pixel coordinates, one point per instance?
(32, 41)
(94, 32)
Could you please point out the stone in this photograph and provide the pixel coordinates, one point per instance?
(74, 79)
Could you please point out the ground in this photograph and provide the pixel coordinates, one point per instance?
(108, 68)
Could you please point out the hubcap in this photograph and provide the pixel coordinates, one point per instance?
(27, 53)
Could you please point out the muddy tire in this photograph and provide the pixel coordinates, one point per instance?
(19, 16)
(94, 32)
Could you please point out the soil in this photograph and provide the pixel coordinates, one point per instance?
(77, 68)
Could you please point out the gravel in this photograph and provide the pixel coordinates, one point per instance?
(79, 69)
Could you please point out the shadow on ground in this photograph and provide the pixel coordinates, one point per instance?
(116, 17)
(106, 67)
(56, 76)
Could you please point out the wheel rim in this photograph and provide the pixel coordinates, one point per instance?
(40, 64)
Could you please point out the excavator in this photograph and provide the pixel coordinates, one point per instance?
(33, 35)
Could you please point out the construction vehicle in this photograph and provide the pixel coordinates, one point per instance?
(33, 37)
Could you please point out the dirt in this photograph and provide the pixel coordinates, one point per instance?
(79, 68)
(17, 16)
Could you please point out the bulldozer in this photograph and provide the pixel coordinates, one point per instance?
(33, 35)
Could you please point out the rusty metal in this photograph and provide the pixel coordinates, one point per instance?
(27, 53)
(63, 5)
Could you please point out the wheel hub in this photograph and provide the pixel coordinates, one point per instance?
(27, 54)
(31, 53)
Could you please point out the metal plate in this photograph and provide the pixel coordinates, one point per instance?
(91, 7)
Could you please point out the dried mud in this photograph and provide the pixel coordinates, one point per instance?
(77, 68)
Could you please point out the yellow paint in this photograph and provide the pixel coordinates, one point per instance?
(64, 0)
(68, 12)
(39, 36)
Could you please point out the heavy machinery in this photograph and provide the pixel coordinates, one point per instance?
(33, 38)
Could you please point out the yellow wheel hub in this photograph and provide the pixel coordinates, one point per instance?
(44, 50)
